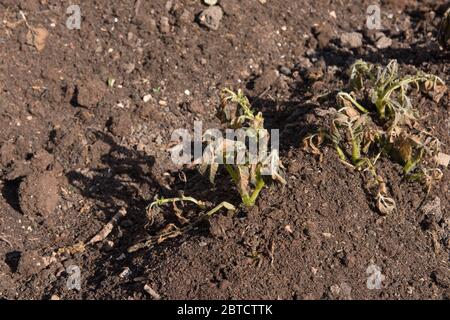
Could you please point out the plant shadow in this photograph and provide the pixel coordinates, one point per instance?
(125, 179)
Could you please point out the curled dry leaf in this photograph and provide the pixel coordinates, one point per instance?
(435, 89)
(271, 165)
(76, 248)
(173, 231)
(385, 205)
(179, 214)
(312, 142)
(170, 231)
(431, 177)
(405, 147)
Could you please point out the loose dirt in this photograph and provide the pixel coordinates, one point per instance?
(86, 118)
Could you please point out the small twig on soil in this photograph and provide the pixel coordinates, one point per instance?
(272, 252)
(136, 7)
(106, 230)
(100, 236)
(25, 20)
(152, 292)
(2, 238)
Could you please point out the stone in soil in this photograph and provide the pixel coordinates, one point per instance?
(121, 125)
(324, 34)
(90, 93)
(30, 263)
(7, 154)
(146, 23)
(351, 40)
(30, 5)
(383, 42)
(267, 79)
(186, 17)
(398, 4)
(211, 17)
(196, 106)
(210, 2)
(286, 71)
(164, 25)
(38, 194)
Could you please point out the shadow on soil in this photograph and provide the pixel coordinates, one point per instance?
(126, 180)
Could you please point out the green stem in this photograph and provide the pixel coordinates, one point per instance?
(235, 177)
(232, 173)
(381, 108)
(223, 204)
(409, 166)
(247, 200)
(340, 153)
(355, 103)
(356, 153)
(259, 185)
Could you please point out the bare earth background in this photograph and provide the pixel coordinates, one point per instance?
(74, 152)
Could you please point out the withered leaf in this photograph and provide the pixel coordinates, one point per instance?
(405, 148)
(385, 205)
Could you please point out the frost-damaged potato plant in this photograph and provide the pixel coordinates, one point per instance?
(244, 156)
(377, 117)
(246, 163)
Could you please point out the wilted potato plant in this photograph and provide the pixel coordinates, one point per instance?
(245, 163)
(378, 118)
(244, 155)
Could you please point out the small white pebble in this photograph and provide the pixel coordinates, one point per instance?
(147, 97)
(187, 92)
(152, 292)
(125, 273)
